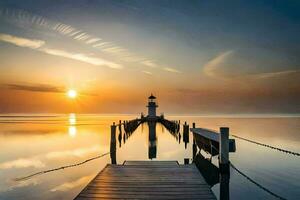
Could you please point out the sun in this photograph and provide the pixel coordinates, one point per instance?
(72, 94)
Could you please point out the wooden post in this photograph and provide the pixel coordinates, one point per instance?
(113, 144)
(194, 143)
(224, 150)
(186, 134)
(186, 161)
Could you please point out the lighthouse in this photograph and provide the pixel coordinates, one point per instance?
(152, 106)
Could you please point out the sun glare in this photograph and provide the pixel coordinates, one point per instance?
(72, 94)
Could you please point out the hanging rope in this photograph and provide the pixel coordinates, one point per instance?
(59, 168)
(257, 184)
(66, 166)
(251, 180)
(266, 145)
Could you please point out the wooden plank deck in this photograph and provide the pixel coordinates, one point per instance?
(147, 180)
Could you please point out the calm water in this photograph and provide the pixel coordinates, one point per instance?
(31, 143)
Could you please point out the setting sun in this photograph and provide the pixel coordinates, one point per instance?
(72, 94)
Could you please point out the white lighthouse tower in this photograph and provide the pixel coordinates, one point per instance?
(152, 106)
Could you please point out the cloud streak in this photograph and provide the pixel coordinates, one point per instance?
(21, 42)
(80, 152)
(81, 57)
(35, 88)
(169, 69)
(147, 72)
(211, 68)
(72, 184)
(274, 74)
(122, 53)
(39, 46)
(215, 69)
(22, 163)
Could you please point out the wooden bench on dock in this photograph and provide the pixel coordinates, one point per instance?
(148, 180)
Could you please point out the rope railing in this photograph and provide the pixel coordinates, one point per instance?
(60, 168)
(63, 167)
(252, 180)
(256, 183)
(268, 146)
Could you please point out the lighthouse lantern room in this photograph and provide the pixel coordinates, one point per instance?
(152, 106)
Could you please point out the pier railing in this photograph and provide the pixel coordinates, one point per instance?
(219, 144)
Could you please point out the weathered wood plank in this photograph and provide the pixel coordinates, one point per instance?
(136, 162)
(148, 180)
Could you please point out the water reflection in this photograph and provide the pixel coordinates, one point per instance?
(186, 135)
(72, 119)
(72, 131)
(152, 149)
(46, 144)
(212, 175)
(113, 148)
(208, 170)
(72, 125)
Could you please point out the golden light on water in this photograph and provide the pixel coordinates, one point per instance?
(72, 131)
(72, 119)
(72, 94)
(72, 123)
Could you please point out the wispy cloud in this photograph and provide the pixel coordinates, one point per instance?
(169, 69)
(215, 68)
(72, 184)
(26, 18)
(39, 46)
(79, 152)
(149, 63)
(34, 87)
(147, 72)
(21, 42)
(22, 163)
(274, 74)
(12, 185)
(212, 67)
(81, 57)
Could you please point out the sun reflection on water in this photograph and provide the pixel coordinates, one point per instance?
(72, 125)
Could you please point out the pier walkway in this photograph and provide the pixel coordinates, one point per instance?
(147, 180)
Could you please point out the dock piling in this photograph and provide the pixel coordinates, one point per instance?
(224, 150)
(113, 144)
(186, 134)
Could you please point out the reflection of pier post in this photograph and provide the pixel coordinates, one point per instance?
(120, 134)
(224, 186)
(152, 140)
(113, 144)
(186, 134)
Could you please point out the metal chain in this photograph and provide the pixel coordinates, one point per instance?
(266, 145)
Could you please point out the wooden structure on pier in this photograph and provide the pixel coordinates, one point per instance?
(148, 180)
(209, 140)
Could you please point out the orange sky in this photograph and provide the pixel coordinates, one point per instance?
(194, 62)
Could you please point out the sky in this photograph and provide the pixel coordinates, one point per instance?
(197, 57)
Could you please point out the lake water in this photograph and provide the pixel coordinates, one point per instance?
(32, 143)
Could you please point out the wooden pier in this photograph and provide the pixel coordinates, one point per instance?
(148, 180)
